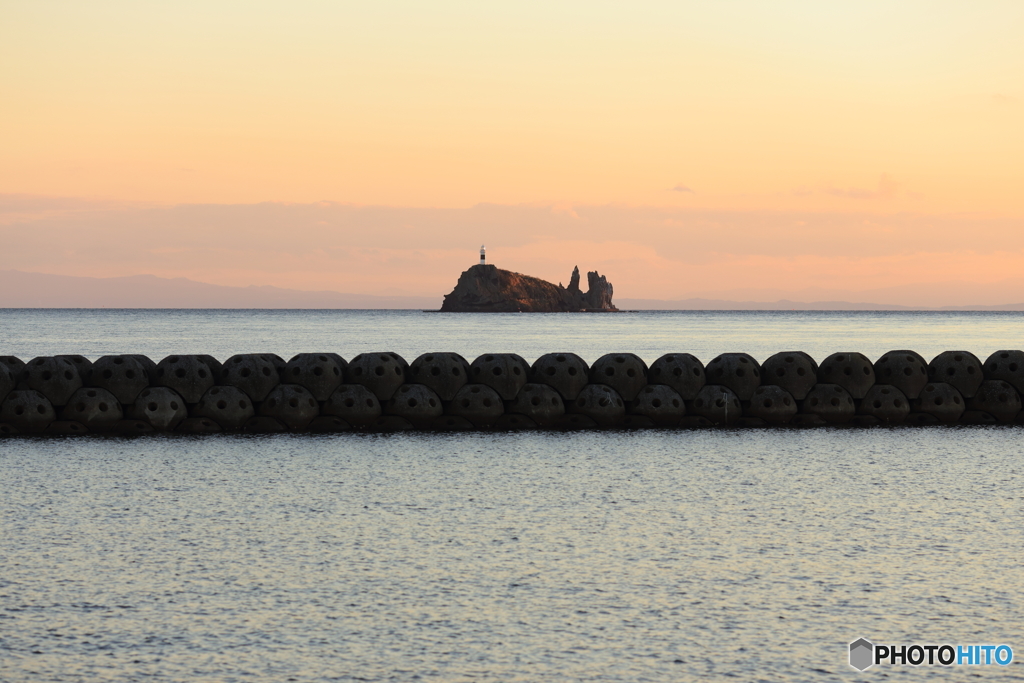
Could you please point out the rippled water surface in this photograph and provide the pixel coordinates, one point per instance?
(611, 556)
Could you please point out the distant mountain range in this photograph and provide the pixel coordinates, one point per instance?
(39, 290)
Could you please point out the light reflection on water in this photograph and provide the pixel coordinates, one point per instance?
(514, 557)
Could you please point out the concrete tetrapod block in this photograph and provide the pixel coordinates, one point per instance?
(626, 373)
(718, 404)
(254, 373)
(452, 423)
(198, 425)
(737, 371)
(940, 400)
(7, 383)
(264, 425)
(904, 369)
(54, 378)
(417, 403)
(850, 370)
(122, 376)
(353, 403)
(886, 403)
(478, 403)
(216, 367)
(319, 372)
(540, 402)
(960, 369)
(14, 364)
(514, 422)
(1007, 366)
(329, 424)
(161, 407)
(601, 403)
(7, 430)
(189, 376)
(81, 363)
(773, 404)
(682, 371)
(831, 402)
(573, 422)
(997, 398)
(978, 418)
(506, 373)
(567, 373)
(794, 371)
(133, 427)
(292, 405)
(382, 372)
(96, 408)
(228, 406)
(660, 403)
(27, 411)
(443, 372)
(148, 365)
(66, 427)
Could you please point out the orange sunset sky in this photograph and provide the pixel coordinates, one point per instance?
(755, 150)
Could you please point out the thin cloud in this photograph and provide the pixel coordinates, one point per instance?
(887, 188)
(681, 188)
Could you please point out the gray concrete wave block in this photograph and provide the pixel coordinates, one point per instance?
(417, 403)
(573, 422)
(978, 418)
(850, 370)
(540, 402)
(506, 373)
(831, 402)
(123, 376)
(7, 382)
(163, 408)
(445, 373)
(514, 422)
(66, 428)
(452, 423)
(941, 400)
(682, 371)
(198, 425)
(129, 427)
(718, 404)
(96, 408)
(148, 365)
(773, 404)
(55, 378)
(292, 405)
(215, 366)
(997, 398)
(81, 363)
(904, 369)
(382, 372)
(566, 372)
(886, 403)
(321, 373)
(626, 373)
(27, 411)
(600, 402)
(659, 403)
(189, 376)
(960, 369)
(737, 371)
(228, 406)
(1006, 365)
(794, 371)
(353, 403)
(260, 424)
(478, 403)
(14, 364)
(254, 373)
(329, 424)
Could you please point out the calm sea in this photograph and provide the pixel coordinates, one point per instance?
(610, 556)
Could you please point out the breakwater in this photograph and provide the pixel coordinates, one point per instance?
(381, 391)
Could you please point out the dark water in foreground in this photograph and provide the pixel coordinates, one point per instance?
(614, 556)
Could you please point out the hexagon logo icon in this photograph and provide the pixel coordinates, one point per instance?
(862, 654)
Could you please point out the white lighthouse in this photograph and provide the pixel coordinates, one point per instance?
(483, 255)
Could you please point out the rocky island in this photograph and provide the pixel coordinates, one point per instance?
(486, 288)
